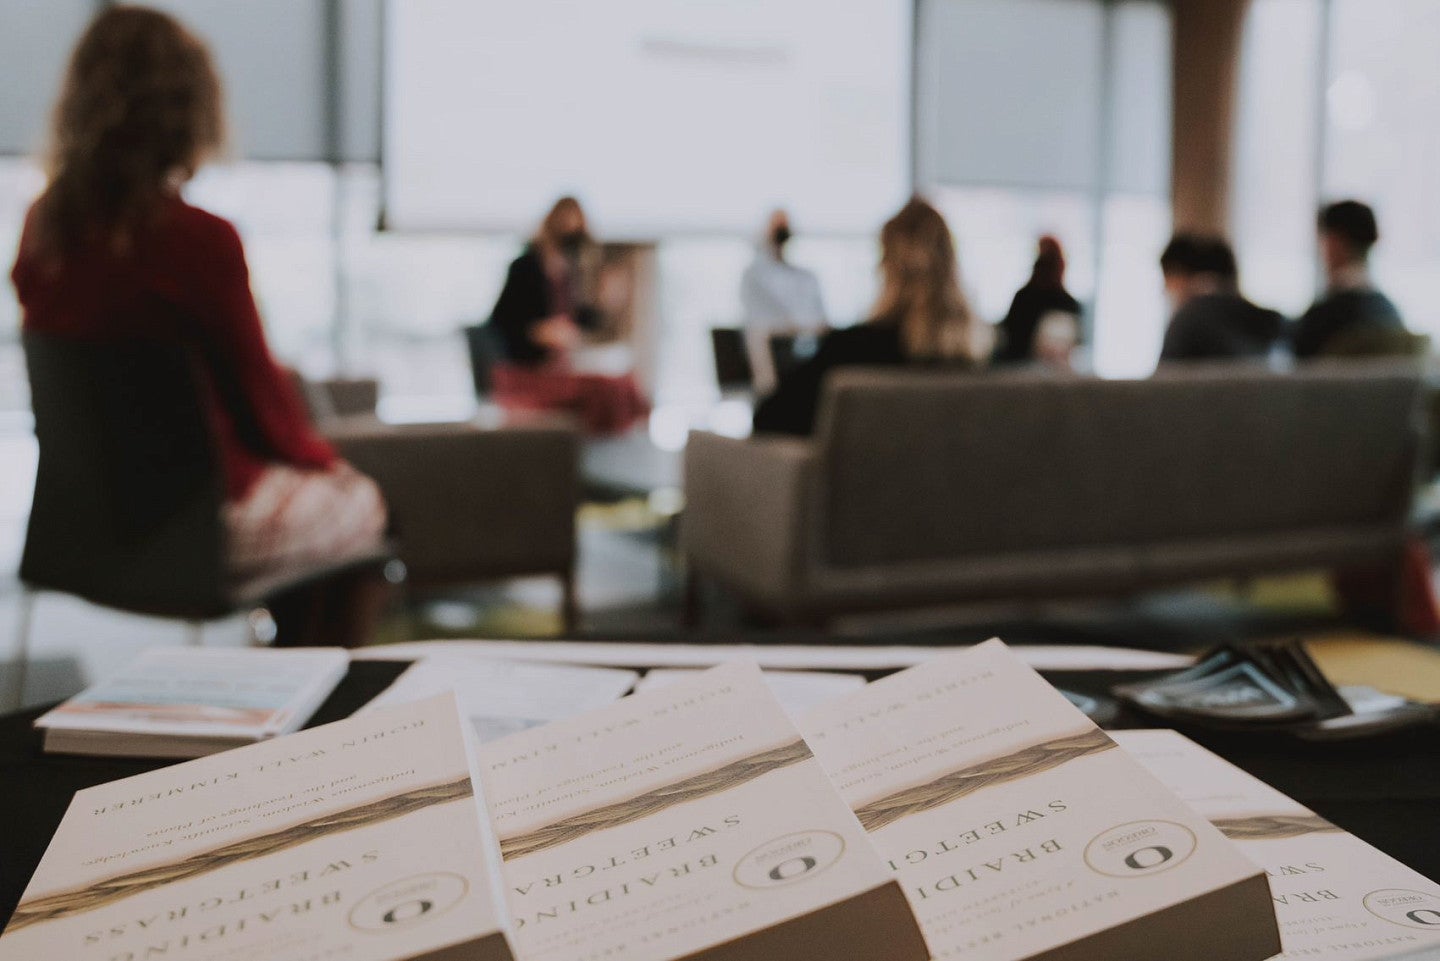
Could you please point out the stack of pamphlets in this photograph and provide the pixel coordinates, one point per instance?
(188, 702)
(1336, 897)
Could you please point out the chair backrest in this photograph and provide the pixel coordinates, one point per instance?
(129, 489)
(789, 350)
(732, 359)
(1378, 342)
(485, 352)
(932, 465)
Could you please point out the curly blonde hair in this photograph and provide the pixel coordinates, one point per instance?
(920, 287)
(141, 104)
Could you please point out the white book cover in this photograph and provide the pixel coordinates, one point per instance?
(686, 822)
(797, 691)
(1335, 896)
(189, 692)
(360, 840)
(501, 697)
(1019, 830)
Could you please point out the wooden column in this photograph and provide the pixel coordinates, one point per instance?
(1206, 67)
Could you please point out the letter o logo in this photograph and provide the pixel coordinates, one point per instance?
(1138, 849)
(1147, 858)
(408, 901)
(408, 911)
(789, 859)
(1405, 907)
(792, 868)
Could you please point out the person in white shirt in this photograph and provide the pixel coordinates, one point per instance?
(776, 297)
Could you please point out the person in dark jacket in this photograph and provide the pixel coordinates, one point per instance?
(921, 317)
(1043, 303)
(545, 304)
(1211, 319)
(1351, 311)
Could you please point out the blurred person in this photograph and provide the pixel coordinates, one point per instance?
(554, 293)
(1043, 324)
(920, 318)
(1210, 319)
(1351, 311)
(546, 304)
(776, 297)
(112, 252)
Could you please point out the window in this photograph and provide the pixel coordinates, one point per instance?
(1071, 137)
(1382, 140)
(1274, 195)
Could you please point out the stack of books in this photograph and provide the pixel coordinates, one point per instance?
(960, 809)
(185, 703)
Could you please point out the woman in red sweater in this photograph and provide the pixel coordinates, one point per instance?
(111, 251)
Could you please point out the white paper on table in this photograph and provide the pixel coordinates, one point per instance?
(797, 691)
(800, 657)
(500, 697)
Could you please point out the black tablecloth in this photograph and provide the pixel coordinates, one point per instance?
(1385, 789)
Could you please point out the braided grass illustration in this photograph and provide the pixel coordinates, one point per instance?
(105, 892)
(632, 809)
(958, 784)
(1269, 827)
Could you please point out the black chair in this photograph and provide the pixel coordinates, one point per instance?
(129, 489)
(486, 351)
(732, 359)
(788, 351)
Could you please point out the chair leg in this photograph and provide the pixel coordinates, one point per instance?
(570, 604)
(194, 634)
(22, 646)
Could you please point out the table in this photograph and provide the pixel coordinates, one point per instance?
(1385, 790)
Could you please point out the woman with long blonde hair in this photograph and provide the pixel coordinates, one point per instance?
(920, 317)
(111, 252)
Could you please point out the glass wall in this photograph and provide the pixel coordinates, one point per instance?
(1032, 116)
(1274, 195)
(1053, 116)
(1337, 101)
(1382, 140)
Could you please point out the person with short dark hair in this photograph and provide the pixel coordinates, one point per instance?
(1043, 324)
(1210, 319)
(1352, 316)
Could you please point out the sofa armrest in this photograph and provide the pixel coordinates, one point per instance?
(469, 503)
(746, 513)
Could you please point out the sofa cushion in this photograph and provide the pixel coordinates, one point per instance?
(917, 466)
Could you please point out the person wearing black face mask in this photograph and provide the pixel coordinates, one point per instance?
(553, 293)
(776, 297)
(544, 307)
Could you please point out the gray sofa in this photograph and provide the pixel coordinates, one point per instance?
(927, 488)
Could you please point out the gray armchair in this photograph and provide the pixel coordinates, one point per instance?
(470, 503)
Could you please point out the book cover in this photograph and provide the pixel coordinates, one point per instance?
(500, 697)
(686, 822)
(797, 691)
(1334, 895)
(187, 692)
(362, 840)
(1019, 830)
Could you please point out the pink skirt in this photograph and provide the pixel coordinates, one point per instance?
(292, 516)
(604, 406)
